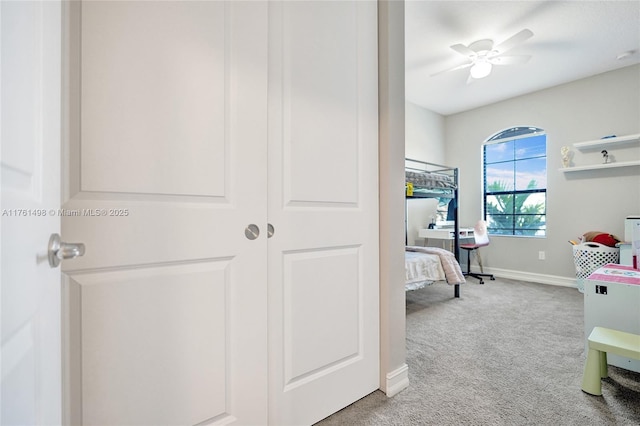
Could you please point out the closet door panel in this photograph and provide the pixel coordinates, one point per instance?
(164, 112)
(323, 256)
(314, 281)
(319, 79)
(167, 137)
(129, 314)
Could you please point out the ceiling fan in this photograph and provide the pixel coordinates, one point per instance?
(483, 54)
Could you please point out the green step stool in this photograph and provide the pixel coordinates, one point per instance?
(602, 341)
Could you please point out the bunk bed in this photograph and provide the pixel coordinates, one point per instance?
(426, 265)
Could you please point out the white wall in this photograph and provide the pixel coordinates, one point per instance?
(394, 374)
(424, 134)
(576, 202)
(424, 141)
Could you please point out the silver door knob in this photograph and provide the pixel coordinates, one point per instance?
(252, 231)
(59, 250)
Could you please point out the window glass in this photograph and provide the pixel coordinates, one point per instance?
(500, 177)
(532, 147)
(515, 182)
(499, 152)
(531, 173)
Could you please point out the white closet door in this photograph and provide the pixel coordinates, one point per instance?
(30, 289)
(166, 166)
(323, 192)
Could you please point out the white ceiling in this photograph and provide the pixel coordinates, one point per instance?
(572, 40)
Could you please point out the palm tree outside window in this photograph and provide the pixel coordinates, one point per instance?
(515, 182)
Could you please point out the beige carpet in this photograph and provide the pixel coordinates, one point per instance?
(505, 353)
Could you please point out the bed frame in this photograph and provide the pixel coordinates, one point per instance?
(427, 180)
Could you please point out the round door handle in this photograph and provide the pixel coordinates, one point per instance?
(270, 230)
(59, 250)
(252, 232)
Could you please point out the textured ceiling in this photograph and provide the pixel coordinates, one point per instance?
(572, 40)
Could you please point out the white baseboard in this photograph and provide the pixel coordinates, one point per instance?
(532, 277)
(396, 381)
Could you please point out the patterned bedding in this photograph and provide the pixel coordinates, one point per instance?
(430, 180)
(422, 269)
(425, 265)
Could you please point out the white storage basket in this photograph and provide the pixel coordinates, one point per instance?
(590, 256)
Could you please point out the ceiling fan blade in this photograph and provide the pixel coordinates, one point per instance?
(459, 67)
(513, 41)
(470, 79)
(510, 60)
(463, 50)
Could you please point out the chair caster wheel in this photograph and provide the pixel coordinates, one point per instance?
(481, 282)
(493, 278)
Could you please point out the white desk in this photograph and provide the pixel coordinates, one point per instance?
(446, 234)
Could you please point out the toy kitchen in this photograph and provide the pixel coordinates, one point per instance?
(612, 293)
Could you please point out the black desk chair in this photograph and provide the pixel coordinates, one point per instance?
(481, 238)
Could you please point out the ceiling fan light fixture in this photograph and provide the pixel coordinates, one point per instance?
(480, 69)
(626, 55)
(483, 54)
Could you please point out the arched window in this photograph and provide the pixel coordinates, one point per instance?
(515, 182)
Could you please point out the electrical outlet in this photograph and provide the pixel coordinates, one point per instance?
(541, 255)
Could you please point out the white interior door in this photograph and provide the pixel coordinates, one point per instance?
(167, 130)
(323, 204)
(30, 290)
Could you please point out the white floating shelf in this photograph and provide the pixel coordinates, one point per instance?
(607, 142)
(601, 166)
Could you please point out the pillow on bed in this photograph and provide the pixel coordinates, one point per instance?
(601, 238)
